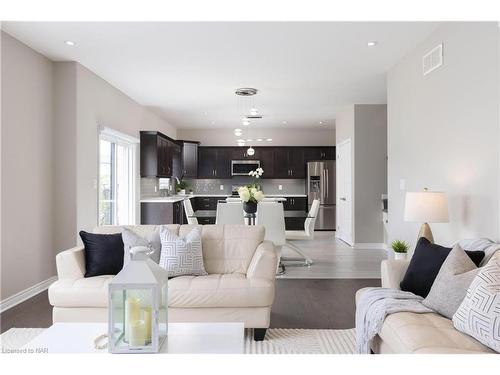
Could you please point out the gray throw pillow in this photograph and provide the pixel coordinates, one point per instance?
(182, 256)
(131, 239)
(450, 286)
(479, 314)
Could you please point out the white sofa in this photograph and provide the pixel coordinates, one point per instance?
(239, 286)
(413, 333)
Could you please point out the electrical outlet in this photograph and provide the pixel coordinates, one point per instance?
(280, 187)
(156, 189)
(221, 187)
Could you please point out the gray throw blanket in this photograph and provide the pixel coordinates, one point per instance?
(372, 308)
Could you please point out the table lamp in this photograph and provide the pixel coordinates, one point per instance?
(426, 207)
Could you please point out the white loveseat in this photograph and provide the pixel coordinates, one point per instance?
(414, 333)
(239, 286)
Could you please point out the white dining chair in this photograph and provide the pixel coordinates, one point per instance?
(306, 234)
(188, 210)
(229, 213)
(309, 223)
(271, 216)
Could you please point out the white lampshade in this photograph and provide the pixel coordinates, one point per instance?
(426, 207)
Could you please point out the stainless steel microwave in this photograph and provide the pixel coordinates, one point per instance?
(242, 167)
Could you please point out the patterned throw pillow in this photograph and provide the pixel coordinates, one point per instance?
(182, 256)
(479, 313)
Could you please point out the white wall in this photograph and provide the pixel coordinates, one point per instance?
(370, 171)
(27, 167)
(65, 189)
(99, 103)
(366, 126)
(281, 136)
(50, 117)
(443, 132)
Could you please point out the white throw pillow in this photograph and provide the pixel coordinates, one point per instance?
(479, 313)
(182, 256)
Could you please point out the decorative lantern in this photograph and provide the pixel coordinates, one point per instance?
(137, 321)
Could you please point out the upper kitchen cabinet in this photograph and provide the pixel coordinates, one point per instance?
(266, 157)
(157, 154)
(319, 153)
(189, 159)
(289, 162)
(214, 162)
(240, 153)
(176, 151)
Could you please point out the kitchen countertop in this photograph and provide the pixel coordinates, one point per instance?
(178, 198)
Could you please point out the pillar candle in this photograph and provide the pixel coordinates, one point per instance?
(137, 334)
(146, 316)
(132, 314)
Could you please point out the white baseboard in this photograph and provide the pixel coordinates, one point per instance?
(381, 246)
(25, 294)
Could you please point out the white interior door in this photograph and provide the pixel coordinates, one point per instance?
(344, 192)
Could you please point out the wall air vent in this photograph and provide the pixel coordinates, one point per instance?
(433, 59)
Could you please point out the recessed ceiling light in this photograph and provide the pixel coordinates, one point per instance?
(241, 144)
(237, 132)
(321, 122)
(284, 122)
(259, 139)
(254, 111)
(213, 122)
(269, 139)
(245, 122)
(249, 140)
(69, 42)
(373, 43)
(240, 140)
(205, 113)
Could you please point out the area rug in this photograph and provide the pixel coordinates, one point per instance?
(277, 341)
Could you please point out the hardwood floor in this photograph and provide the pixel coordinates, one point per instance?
(299, 303)
(316, 303)
(33, 313)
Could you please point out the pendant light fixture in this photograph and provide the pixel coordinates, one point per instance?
(247, 109)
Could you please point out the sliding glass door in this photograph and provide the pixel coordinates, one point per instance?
(116, 181)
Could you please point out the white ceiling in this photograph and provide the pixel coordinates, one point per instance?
(187, 72)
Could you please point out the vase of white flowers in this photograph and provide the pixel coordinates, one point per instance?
(250, 194)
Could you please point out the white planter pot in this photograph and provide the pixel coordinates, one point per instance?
(399, 256)
(182, 192)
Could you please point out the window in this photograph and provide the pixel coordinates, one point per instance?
(117, 170)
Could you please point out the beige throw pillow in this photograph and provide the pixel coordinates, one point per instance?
(450, 286)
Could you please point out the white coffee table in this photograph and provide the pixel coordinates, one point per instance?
(183, 338)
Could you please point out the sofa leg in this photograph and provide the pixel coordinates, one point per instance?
(259, 334)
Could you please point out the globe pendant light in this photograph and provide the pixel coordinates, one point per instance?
(250, 151)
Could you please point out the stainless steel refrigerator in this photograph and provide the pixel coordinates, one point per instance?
(321, 185)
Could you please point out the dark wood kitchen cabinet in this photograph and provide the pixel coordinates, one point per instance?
(319, 153)
(214, 162)
(289, 162)
(266, 157)
(158, 213)
(157, 154)
(176, 150)
(295, 204)
(240, 153)
(189, 159)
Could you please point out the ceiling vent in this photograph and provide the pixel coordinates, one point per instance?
(433, 59)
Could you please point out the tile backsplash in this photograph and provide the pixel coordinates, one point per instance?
(211, 186)
(150, 187)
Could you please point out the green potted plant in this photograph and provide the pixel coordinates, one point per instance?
(400, 249)
(181, 186)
